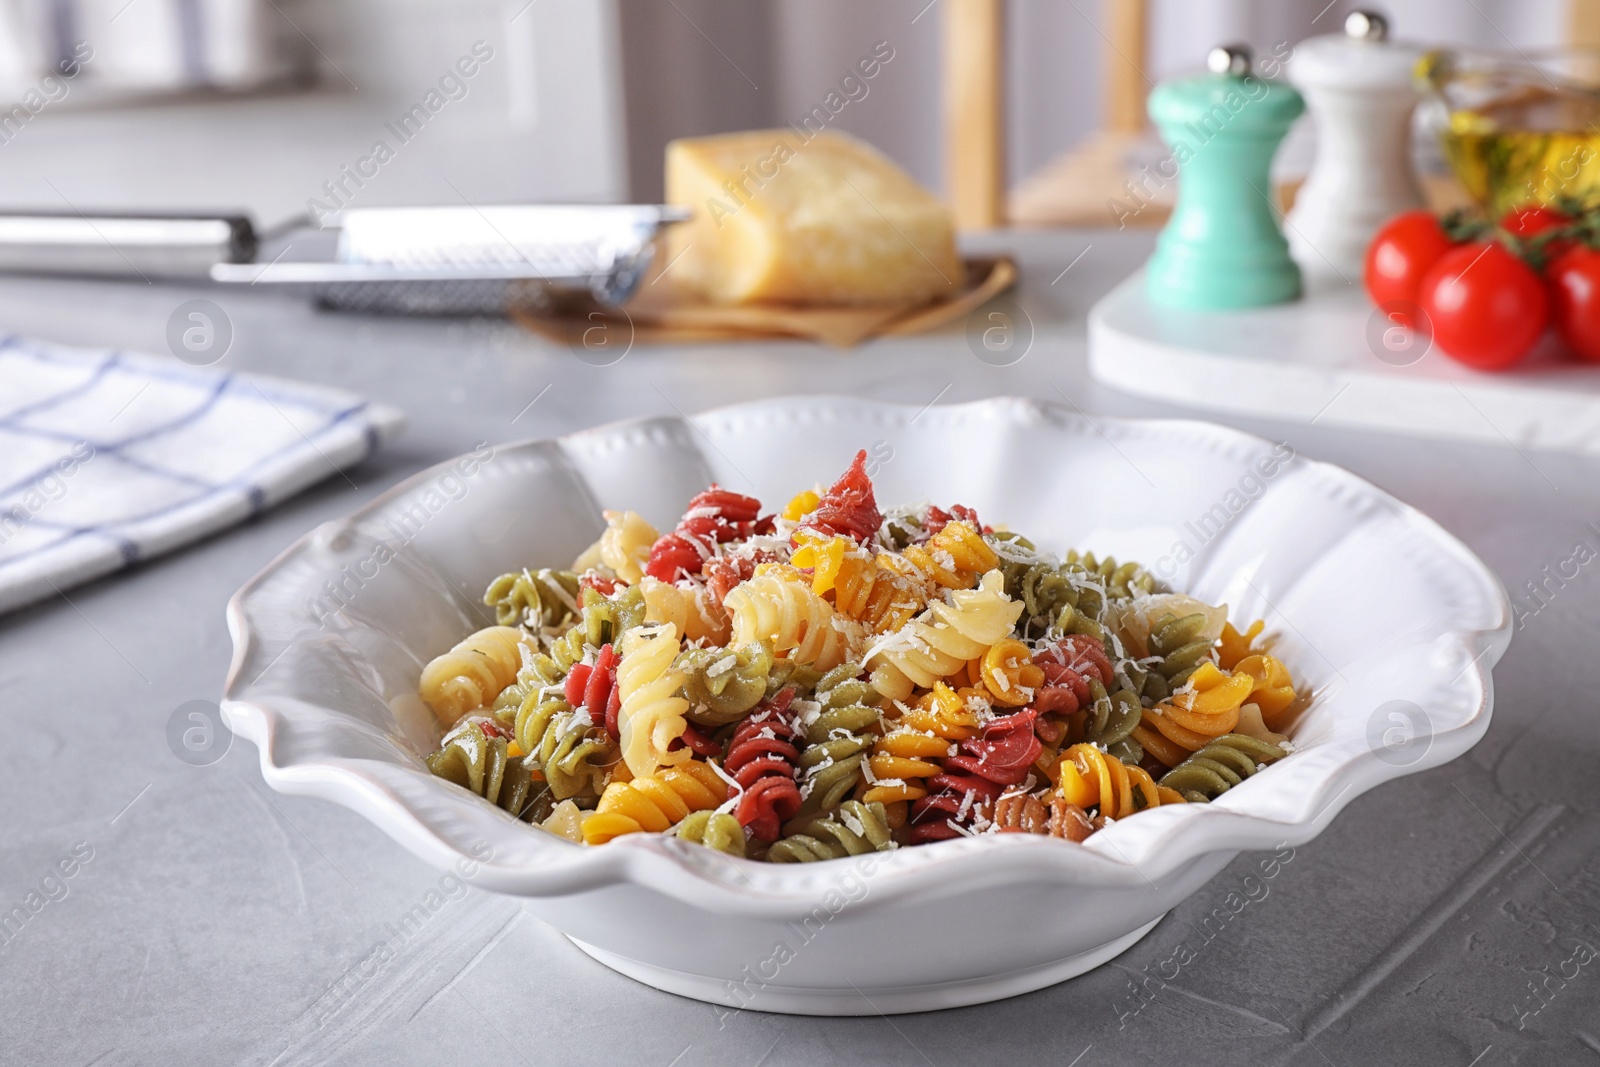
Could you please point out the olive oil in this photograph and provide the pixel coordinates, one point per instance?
(1533, 145)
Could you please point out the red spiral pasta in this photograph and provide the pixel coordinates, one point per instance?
(972, 780)
(715, 516)
(671, 556)
(595, 687)
(849, 509)
(1068, 665)
(722, 573)
(937, 518)
(697, 742)
(764, 758)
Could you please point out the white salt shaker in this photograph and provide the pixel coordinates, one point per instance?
(1358, 87)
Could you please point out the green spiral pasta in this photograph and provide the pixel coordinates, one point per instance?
(599, 622)
(838, 739)
(901, 531)
(539, 599)
(1219, 766)
(723, 684)
(717, 830)
(803, 676)
(1075, 606)
(1177, 647)
(477, 761)
(1059, 598)
(1121, 581)
(1110, 719)
(573, 753)
(605, 618)
(851, 830)
(542, 672)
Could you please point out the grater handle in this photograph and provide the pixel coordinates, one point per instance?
(123, 245)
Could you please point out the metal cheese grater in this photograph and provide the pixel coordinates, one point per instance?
(414, 261)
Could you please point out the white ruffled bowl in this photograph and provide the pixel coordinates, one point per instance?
(1390, 621)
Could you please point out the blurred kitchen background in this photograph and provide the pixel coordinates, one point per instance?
(263, 104)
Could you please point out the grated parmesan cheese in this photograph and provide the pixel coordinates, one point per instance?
(853, 824)
(735, 789)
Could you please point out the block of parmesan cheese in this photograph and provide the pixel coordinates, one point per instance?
(782, 216)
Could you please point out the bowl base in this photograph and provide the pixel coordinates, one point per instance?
(893, 1000)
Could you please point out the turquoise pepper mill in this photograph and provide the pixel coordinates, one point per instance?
(1222, 247)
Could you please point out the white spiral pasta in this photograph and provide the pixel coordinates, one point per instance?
(790, 619)
(697, 616)
(941, 641)
(474, 672)
(625, 546)
(651, 714)
(622, 549)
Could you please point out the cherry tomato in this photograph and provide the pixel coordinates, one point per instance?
(1575, 300)
(1531, 220)
(1398, 257)
(1486, 306)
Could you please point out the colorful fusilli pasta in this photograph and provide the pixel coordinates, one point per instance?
(474, 672)
(939, 642)
(690, 608)
(839, 731)
(829, 681)
(651, 716)
(625, 546)
(535, 599)
(790, 619)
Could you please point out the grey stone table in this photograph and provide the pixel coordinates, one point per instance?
(1448, 918)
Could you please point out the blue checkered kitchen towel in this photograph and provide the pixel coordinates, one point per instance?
(107, 458)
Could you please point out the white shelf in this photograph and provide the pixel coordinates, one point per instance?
(1312, 361)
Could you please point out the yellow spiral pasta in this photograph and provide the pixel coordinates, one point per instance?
(882, 590)
(654, 803)
(1189, 721)
(693, 611)
(474, 672)
(896, 592)
(1091, 778)
(782, 613)
(1234, 646)
(901, 760)
(651, 715)
(854, 587)
(821, 553)
(1008, 674)
(886, 596)
(1273, 691)
(939, 645)
(954, 557)
(885, 591)
(801, 504)
(829, 558)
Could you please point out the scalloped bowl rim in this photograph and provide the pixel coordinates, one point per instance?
(716, 882)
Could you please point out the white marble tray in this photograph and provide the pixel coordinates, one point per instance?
(1325, 359)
